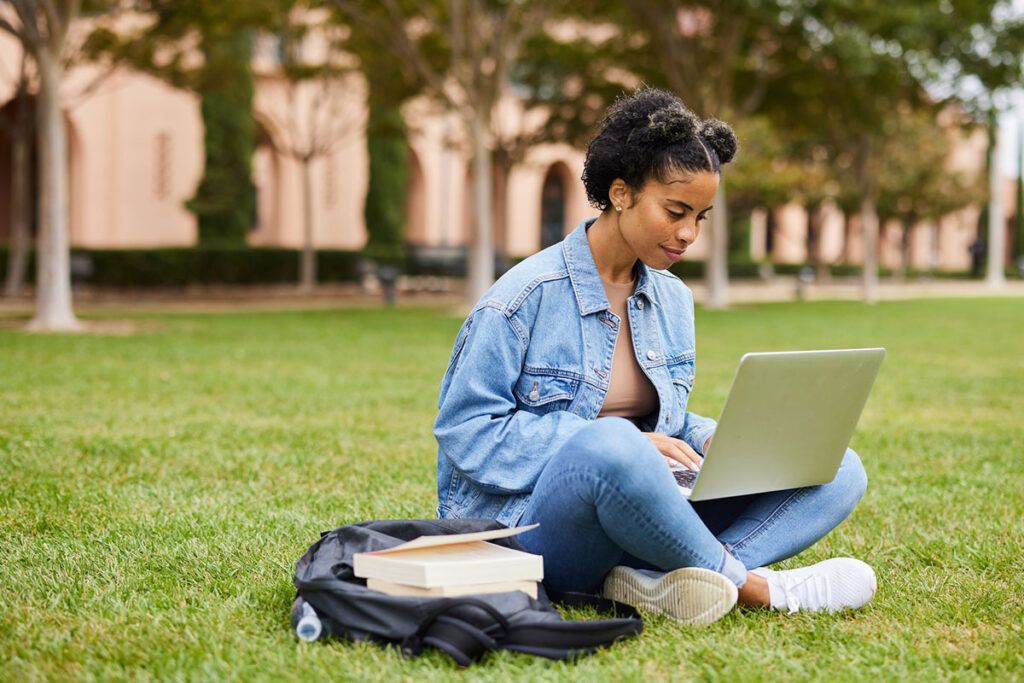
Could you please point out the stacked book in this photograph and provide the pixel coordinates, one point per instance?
(451, 565)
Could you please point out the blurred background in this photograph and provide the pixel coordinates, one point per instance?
(178, 143)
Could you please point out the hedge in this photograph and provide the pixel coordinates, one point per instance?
(179, 267)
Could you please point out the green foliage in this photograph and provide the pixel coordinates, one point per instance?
(158, 489)
(914, 183)
(225, 201)
(385, 209)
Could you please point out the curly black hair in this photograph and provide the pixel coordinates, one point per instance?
(648, 135)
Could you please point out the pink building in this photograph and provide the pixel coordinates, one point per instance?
(136, 155)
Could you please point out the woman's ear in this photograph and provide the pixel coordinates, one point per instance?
(618, 194)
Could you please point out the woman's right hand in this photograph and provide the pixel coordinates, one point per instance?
(676, 449)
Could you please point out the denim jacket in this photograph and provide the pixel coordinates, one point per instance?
(531, 365)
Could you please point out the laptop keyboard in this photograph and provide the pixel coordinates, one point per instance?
(685, 477)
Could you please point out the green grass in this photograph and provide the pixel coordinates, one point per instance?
(156, 490)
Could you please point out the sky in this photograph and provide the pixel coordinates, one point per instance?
(1010, 124)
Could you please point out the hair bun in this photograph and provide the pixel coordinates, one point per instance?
(722, 139)
(672, 124)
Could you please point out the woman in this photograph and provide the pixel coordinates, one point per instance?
(565, 399)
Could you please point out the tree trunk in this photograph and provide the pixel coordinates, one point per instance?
(869, 224)
(307, 265)
(906, 230)
(481, 257)
(995, 276)
(17, 259)
(815, 222)
(717, 265)
(53, 270)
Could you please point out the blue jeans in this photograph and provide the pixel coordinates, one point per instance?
(607, 498)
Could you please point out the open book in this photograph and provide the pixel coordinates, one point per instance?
(451, 560)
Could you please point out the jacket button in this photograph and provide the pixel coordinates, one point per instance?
(640, 304)
(651, 355)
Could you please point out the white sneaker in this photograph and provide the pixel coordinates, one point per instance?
(691, 595)
(828, 586)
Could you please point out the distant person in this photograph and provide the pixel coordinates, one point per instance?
(565, 399)
(977, 249)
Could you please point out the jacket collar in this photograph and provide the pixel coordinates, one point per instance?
(586, 282)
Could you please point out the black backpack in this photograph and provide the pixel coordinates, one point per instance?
(462, 627)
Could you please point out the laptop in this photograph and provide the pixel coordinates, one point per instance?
(786, 422)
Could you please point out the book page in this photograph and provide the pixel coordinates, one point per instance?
(450, 539)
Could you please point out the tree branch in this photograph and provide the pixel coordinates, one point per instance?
(52, 20)
(6, 26)
(92, 86)
(65, 15)
(27, 13)
(391, 34)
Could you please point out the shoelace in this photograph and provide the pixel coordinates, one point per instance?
(818, 592)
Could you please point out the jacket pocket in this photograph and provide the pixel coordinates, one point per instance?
(535, 389)
(681, 371)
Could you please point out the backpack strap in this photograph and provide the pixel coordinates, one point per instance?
(570, 639)
(458, 637)
(601, 605)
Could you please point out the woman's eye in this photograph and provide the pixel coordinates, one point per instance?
(674, 214)
(703, 217)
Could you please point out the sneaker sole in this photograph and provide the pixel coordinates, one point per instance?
(690, 595)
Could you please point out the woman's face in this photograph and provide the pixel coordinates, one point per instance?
(665, 218)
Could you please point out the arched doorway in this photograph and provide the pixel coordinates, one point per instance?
(8, 173)
(266, 178)
(552, 205)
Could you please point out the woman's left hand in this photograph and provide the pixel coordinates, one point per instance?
(676, 449)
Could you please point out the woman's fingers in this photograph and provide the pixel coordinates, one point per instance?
(685, 455)
(676, 449)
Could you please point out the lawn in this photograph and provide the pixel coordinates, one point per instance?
(156, 490)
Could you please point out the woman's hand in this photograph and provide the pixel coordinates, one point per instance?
(676, 449)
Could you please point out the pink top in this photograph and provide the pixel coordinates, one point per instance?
(630, 392)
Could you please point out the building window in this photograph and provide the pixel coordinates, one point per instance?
(162, 168)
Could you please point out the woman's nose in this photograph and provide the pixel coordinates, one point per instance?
(687, 232)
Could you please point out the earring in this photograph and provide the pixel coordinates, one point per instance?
(619, 209)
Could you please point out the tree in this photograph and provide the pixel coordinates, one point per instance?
(387, 145)
(993, 58)
(318, 82)
(385, 194)
(913, 179)
(43, 31)
(220, 34)
(462, 50)
(860, 65)
(224, 202)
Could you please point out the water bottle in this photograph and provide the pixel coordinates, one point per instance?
(307, 623)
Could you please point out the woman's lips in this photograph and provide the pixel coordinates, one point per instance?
(673, 254)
